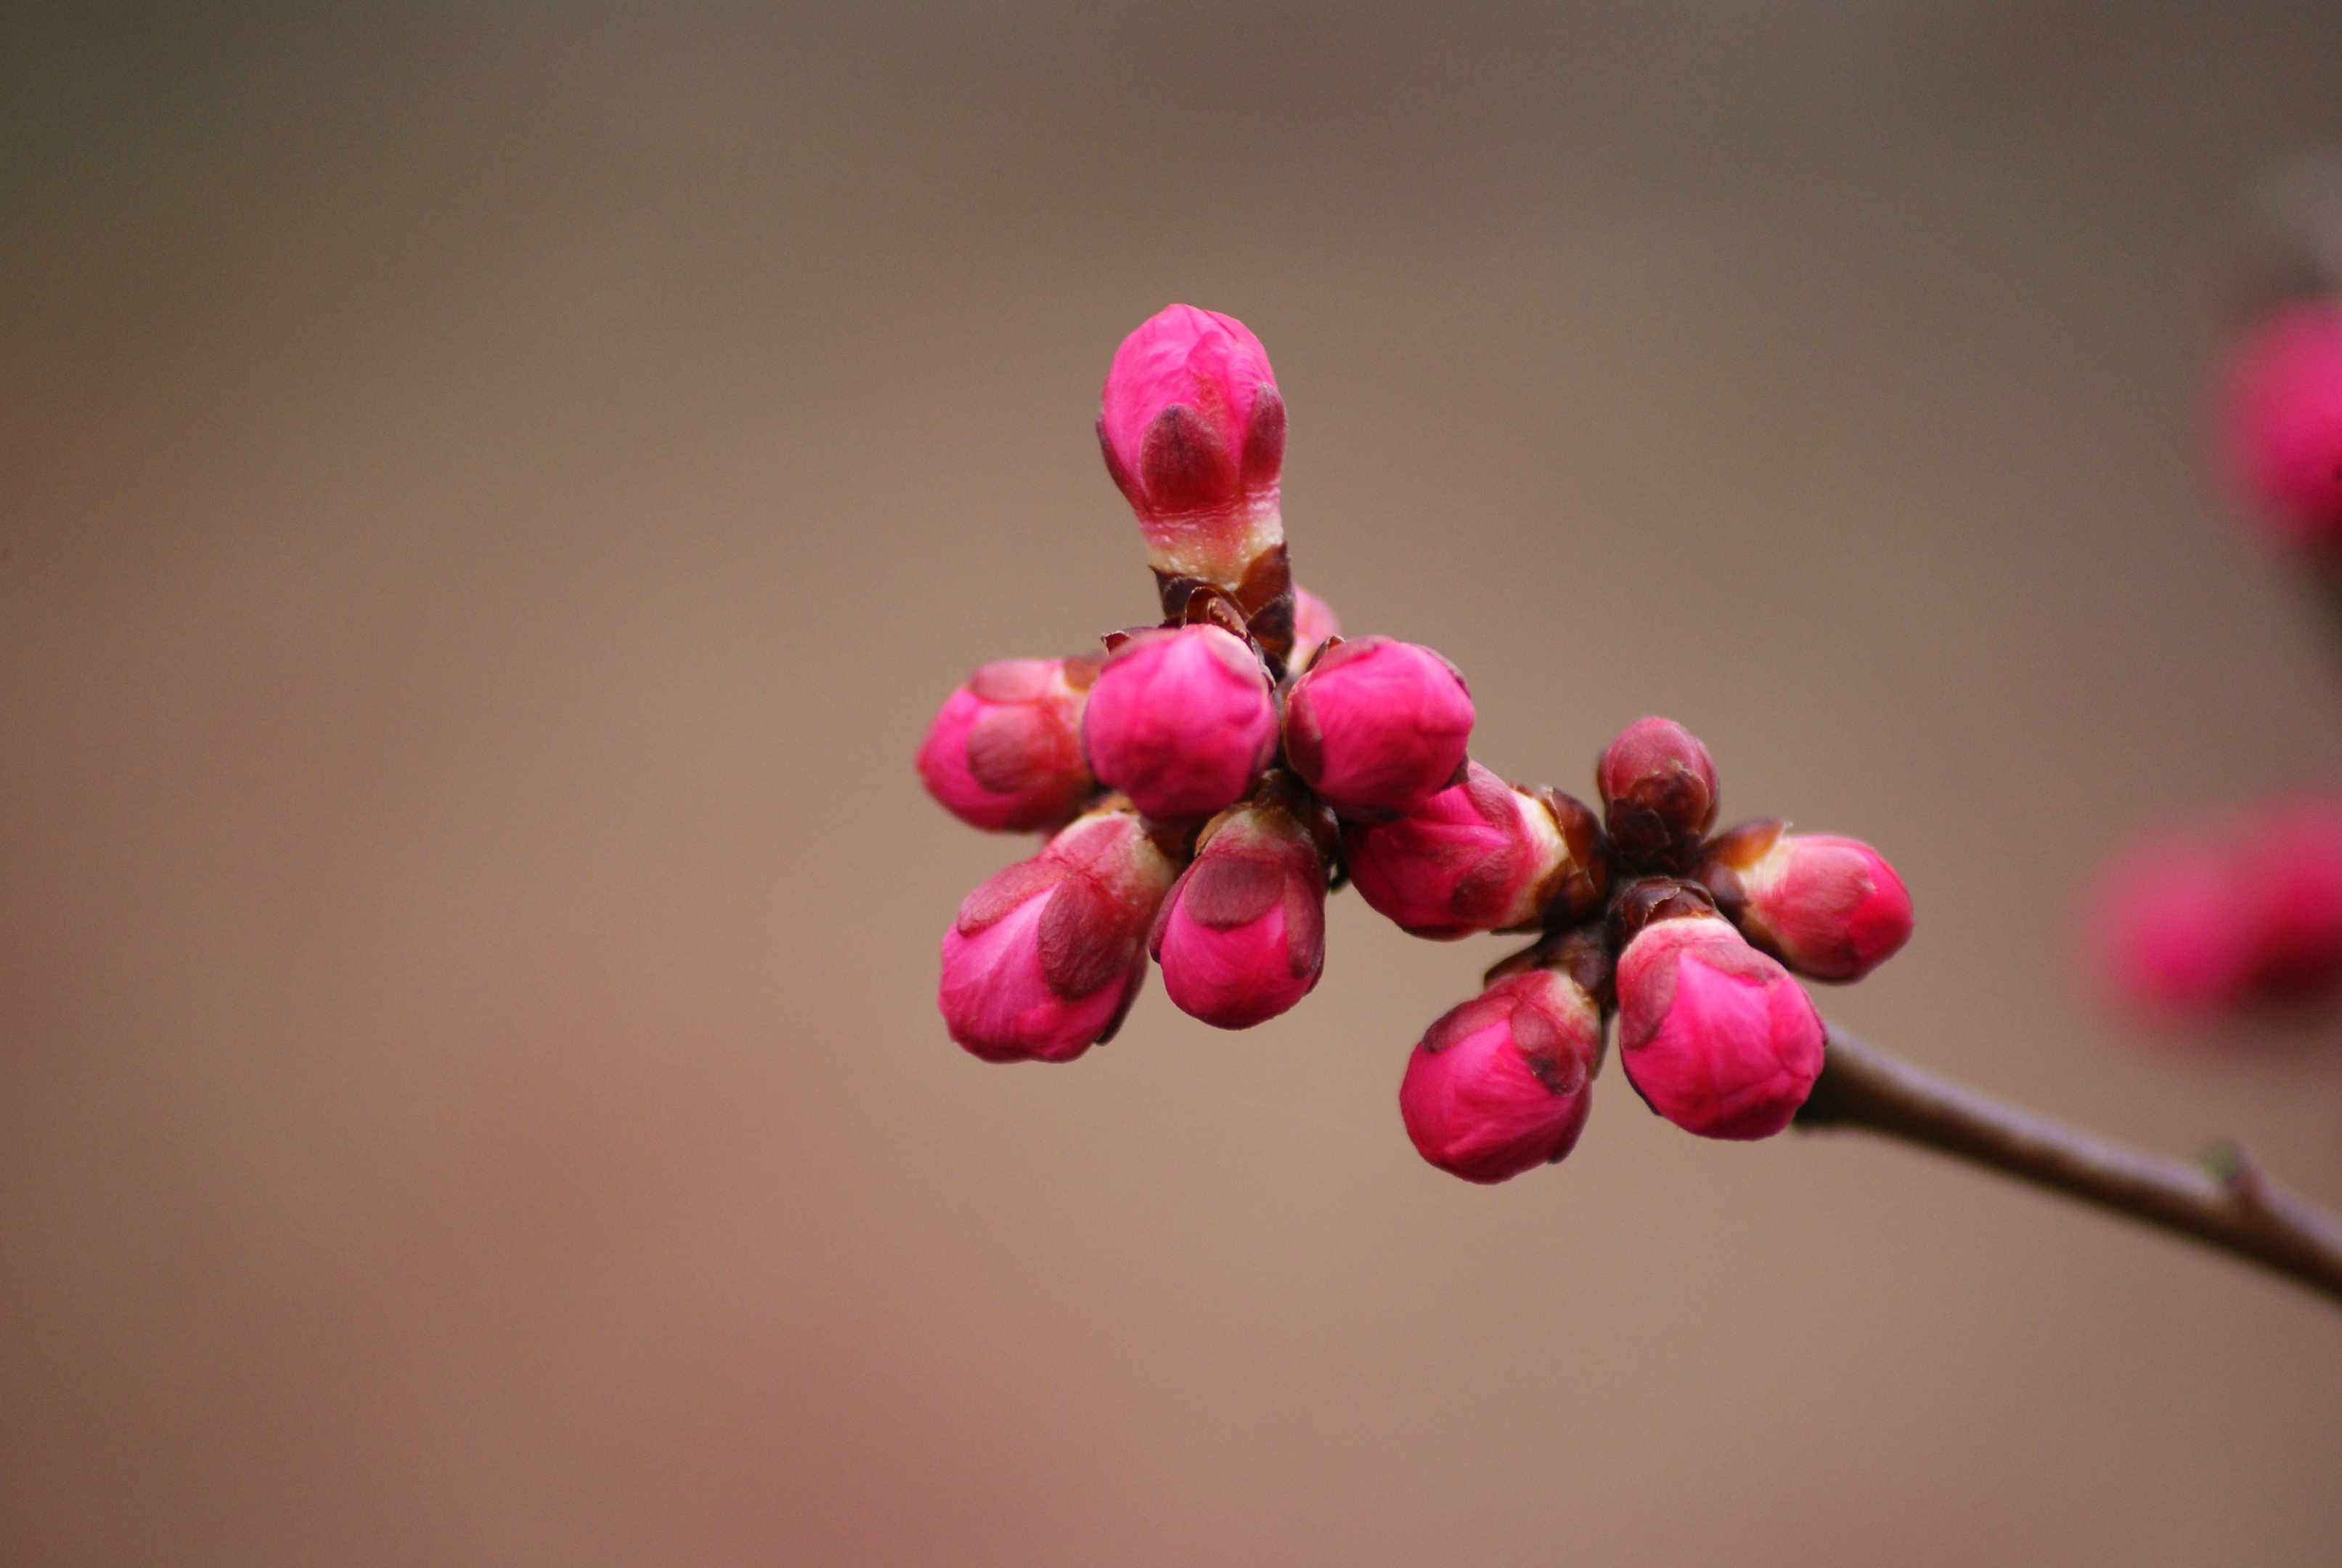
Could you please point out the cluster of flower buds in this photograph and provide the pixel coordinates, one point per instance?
(1208, 779)
(1155, 765)
(2229, 918)
(2242, 913)
(1693, 940)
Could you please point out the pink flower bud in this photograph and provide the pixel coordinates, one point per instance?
(1503, 1084)
(1181, 720)
(2193, 924)
(1480, 855)
(2281, 408)
(1313, 622)
(2292, 870)
(1192, 430)
(1715, 1036)
(1004, 752)
(1242, 936)
(2173, 926)
(1046, 956)
(1659, 794)
(1377, 727)
(1830, 908)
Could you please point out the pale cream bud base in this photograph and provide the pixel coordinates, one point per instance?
(1217, 546)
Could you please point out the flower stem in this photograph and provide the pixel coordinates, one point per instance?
(2229, 1202)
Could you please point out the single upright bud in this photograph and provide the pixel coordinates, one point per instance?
(1181, 719)
(1314, 622)
(1192, 430)
(1480, 855)
(1830, 908)
(1004, 752)
(2292, 867)
(2173, 926)
(1377, 727)
(1242, 936)
(1046, 956)
(1503, 1084)
(1659, 794)
(1715, 1036)
(2281, 412)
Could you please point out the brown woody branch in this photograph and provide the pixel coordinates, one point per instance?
(2229, 1202)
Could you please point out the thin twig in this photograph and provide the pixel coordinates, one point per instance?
(2235, 1207)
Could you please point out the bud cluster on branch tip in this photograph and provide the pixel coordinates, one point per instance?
(2236, 915)
(1005, 751)
(1260, 760)
(2281, 418)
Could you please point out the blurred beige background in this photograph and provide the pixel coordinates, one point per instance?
(489, 498)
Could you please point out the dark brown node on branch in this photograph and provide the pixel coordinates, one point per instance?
(1207, 605)
(1266, 596)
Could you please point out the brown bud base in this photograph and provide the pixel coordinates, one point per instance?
(1284, 790)
(1261, 604)
(1724, 857)
(1650, 899)
(1650, 826)
(1584, 881)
